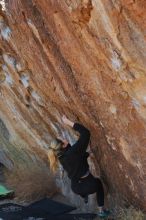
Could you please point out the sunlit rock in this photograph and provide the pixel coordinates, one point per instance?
(85, 59)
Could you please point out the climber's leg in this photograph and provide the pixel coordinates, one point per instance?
(89, 185)
(85, 197)
(99, 192)
(102, 212)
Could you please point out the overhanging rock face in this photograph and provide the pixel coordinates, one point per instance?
(85, 59)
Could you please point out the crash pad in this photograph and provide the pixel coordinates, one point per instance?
(43, 209)
(11, 211)
(49, 206)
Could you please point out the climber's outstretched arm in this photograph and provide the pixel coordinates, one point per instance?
(83, 141)
(67, 121)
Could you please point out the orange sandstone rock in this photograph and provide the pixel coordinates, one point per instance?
(85, 59)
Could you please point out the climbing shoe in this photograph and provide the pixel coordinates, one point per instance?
(104, 214)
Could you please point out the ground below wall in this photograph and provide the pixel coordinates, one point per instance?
(85, 59)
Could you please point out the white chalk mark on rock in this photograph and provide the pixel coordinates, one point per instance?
(136, 103)
(113, 109)
(3, 4)
(6, 33)
(8, 77)
(36, 97)
(116, 62)
(10, 61)
(25, 80)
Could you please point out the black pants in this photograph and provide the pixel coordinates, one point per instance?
(89, 185)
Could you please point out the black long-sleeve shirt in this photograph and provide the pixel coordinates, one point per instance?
(74, 158)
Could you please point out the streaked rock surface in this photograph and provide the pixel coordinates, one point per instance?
(85, 59)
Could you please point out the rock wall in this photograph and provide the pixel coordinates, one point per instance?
(85, 59)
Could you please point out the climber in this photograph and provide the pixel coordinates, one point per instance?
(74, 161)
